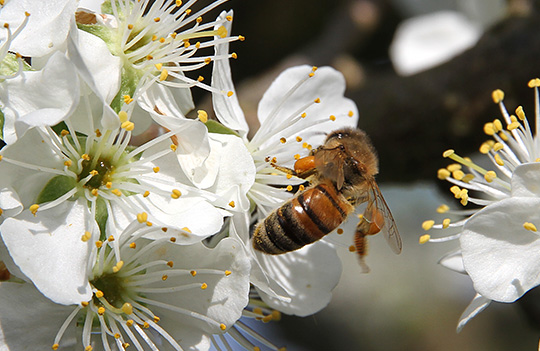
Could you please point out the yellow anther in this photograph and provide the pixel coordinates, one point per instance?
(497, 96)
(207, 60)
(498, 147)
(453, 167)
(350, 114)
(85, 157)
(130, 26)
(282, 140)
(129, 322)
(55, 346)
(499, 160)
(170, 264)
(101, 311)
(301, 187)
(468, 178)
(193, 273)
(34, 208)
(427, 225)
(241, 38)
(222, 32)
(289, 187)
(198, 44)
(186, 229)
(164, 277)
(172, 239)
(133, 245)
(146, 325)
(257, 310)
(232, 204)
(68, 163)
(484, 148)
(88, 348)
(424, 238)
(186, 44)
(520, 113)
(317, 100)
(149, 224)
(142, 217)
(94, 172)
(116, 192)
(108, 185)
(204, 286)
(222, 326)
(85, 303)
(352, 248)
(188, 12)
(128, 125)
(503, 136)
(117, 336)
(446, 223)
(289, 176)
(228, 273)
(529, 226)
(513, 126)
(303, 115)
(534, 83)
(178, 3)
(157, 19)
(163, 75)
(298, 139)
(489, 129)
(458, 175)
(123, 116)
(158, 66)
(339, 231)
(99, 294)
(156, 319)
(464, 196)
(199, 19)
(266, 319)
(276, 315)
(86, 236)
(229, 18)
(456, 191)
(202, 115)
(64, 133)
(332, 118)
(155, 169)
(497, 125)
(99, 244)
(443, 209)
(297, 157)
(311, 74)
(175, 194)
(98, 132)
(118, 266)
(234, 55)
(230, 93)
(490, 176)
(200, 79)
(146, 193)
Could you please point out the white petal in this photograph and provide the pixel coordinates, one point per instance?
(31, 100)
(426, 41)
(453, 261)
(224, 298)
(105, 67)
(29, 321)
(308, 275)
(47, 28)
(526, 180)
(48, 249)
(227, 108)
(9, 202)
(500, 255)
(477, 305)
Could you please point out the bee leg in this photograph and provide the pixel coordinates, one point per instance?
(286, 170)
(360, 243)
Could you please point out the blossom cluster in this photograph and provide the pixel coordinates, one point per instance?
(497, 236)
(125, 212)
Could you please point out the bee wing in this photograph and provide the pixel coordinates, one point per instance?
(329, 164)
(378, 210)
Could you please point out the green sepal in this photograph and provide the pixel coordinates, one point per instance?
(10, 65)
(101, 218)
(218, 128)
(55, 188)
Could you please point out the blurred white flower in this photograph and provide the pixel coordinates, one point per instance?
(499, 243)
(152, 295)
(426, 41)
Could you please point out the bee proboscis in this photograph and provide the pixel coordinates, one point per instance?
(341, 174)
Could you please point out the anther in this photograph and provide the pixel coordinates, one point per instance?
(99, 244)
(164, 277)
(282, 140)
(234, 55)
(352, 248)
(289, 188)
(204, 286)
(55, 346)
(497, 96)
(64, 133)
(193, 273)
(427, 225)
(34, 208)
(86, 236)
(534, 83)
(424, 238)
(529, 226)
(350, 114)
(490, 176)
(133, 245)
(118, 266)
(222, 326)
(446, 223)
(229, 18)
(317, 100)
(232, 204)
(339, 231)
(146, 193)
(230, 93)
(443, 173)
(142, 217)
(443, 209)
(175, 194)
(202, 115)
(163, 75)
(170, 264)
(332, 118)
(520, 113)
(101, 311)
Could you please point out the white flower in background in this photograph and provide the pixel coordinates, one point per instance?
(73, 190)
(150, 295)
(155, 41)
(47, 27)
(299, 108)
(499, 242)
(426, 41)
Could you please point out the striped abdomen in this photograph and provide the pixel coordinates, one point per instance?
(302, 220)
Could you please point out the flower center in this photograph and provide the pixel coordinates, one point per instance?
(101, 172)
(113, 289)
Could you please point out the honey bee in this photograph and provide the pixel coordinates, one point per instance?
(341, 174)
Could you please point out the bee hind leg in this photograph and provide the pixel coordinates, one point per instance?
(361, 244)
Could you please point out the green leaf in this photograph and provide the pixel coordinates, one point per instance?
(218, 128)
(101, 218)
(55, 188)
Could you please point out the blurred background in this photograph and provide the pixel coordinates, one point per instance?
(421, 73)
